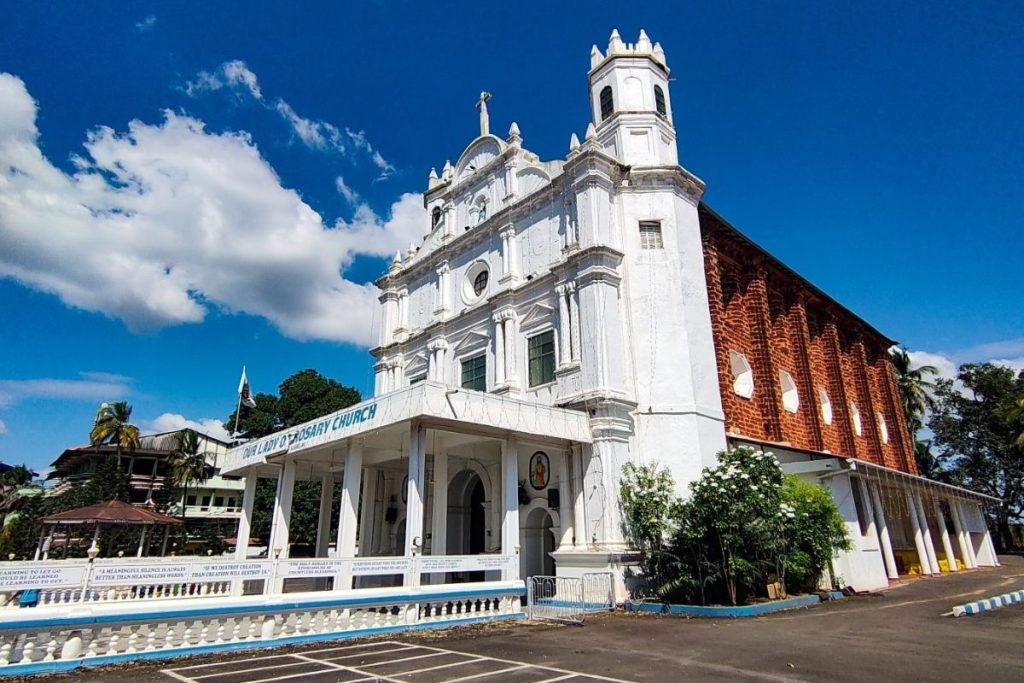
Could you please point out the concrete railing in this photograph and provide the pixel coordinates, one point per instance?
(57, 638)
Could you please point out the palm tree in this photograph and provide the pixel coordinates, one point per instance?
(1017, 413)
(915, 388)
(112, 426)
(188, 465)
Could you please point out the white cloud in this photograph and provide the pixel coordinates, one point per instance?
(350, 195)
(146, 24)
(170, 422)
(161, 223)
(92, 387)
(315, 134)
(948, 364)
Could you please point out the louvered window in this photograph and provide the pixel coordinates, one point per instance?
(650, 235)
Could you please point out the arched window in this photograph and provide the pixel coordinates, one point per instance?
(607, 104)
(659, 101)
(435, 217)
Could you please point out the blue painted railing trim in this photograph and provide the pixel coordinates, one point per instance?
(71, 664)
(733, 612)
(181, 613)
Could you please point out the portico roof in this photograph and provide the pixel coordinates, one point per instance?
(433, 405)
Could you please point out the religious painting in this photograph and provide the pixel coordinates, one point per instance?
(540, 470)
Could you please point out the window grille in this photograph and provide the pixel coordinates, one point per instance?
(541, 350)
(659, 100)
(474, 373)
(650, 235)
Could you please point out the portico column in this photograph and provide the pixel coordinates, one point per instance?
(869, 514)
(323, 528)
(348, 515)
(439, 524)
(947, 547)
(915, 523)
(579, 503)
(564, 503)
(929, 546)
(883, 533)
(414, 499)
(988, 536)
(564, 325)
(245, 519)
(282, 517)
(961, 536)
(368, 514)
(499, 350)
(510, 494)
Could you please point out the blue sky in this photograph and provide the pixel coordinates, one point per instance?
(203, 186)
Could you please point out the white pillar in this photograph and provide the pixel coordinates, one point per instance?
(564, 326)
(510, 495)
(947, 547)
(988, 535)
(915, 523)
(564, 503)
(368, 514)
(509, 257)
(962, 539)
(499, 350)
(883, 533)
(348, 513)
(929, 546)
(282, 515)
(323, 528)
(142, 542)
(414, 499)
(511, 345)
(443, 275)
(245, 519)
(579, 502)
(574, 322)
(439, 523)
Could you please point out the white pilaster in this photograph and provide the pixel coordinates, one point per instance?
(574, 323)
(348, 513)
(449, 221)
(245, 519)
(499, 350)
(443, 294)
(564, 325)
(510, 496)
(511, 346)
(915, 524)
(579, 502)
(509, 255)
(368, 514)
(947, 547)
(884, 539)
(414, 498)
(282, 514)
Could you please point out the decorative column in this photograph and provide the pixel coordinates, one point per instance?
(579, 503)
(499, 349)
(439, 523)
(929, 546)
(414, 499)
(282, 516)
(323, 525)
(389, 313)
(575, 339)
(443, 280)
(368, 515)
(564, 503)
(449, 221)
(915, 524)
(509, 255)
(564, 325)
(436, 360)
(961, 536)
(883, 533)
(511, 342)
(510, 495)
(348, 514)
(403, 311)
(947, 547)
(245, 519)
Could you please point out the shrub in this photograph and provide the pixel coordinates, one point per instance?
(814, 531)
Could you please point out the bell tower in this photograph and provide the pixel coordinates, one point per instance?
(629, 101)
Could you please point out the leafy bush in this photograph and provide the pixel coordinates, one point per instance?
(744, 525)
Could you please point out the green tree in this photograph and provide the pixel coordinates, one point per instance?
(648, 502)
(256, 422)
(915, 388)
(188, 465)
(113, 426)
(976, 433)
(307, 395)
(814, 531)
(1016, 413)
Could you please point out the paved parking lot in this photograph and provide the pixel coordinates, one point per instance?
(389, 661)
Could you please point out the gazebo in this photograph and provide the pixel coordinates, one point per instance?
(111, 514)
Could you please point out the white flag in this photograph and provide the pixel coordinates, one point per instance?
(245, 396)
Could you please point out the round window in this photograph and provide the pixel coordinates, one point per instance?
(480, 282)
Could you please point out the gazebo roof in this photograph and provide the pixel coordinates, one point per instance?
(110, 512)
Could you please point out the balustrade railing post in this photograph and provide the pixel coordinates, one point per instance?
(85, 580)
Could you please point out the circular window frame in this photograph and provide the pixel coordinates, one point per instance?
(469, 294)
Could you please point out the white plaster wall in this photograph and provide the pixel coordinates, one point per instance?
(862, 566)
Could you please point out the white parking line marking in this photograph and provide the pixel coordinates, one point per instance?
(341, 648)
(234, 672)
(488, 673)
(444, 666)
(360, 654)
(404, 659)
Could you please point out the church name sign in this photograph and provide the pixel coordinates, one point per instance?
(324, 429)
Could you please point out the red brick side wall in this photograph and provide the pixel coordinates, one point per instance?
(779, 322)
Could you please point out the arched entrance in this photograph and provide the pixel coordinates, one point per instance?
(467, 520)
(538, 544)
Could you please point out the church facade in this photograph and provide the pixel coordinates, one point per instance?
(559, 319)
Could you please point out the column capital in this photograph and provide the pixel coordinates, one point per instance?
(507, 231)
(566, 287)
(443, 268)
(437, 344)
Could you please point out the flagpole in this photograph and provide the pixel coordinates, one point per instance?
(238, 412)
